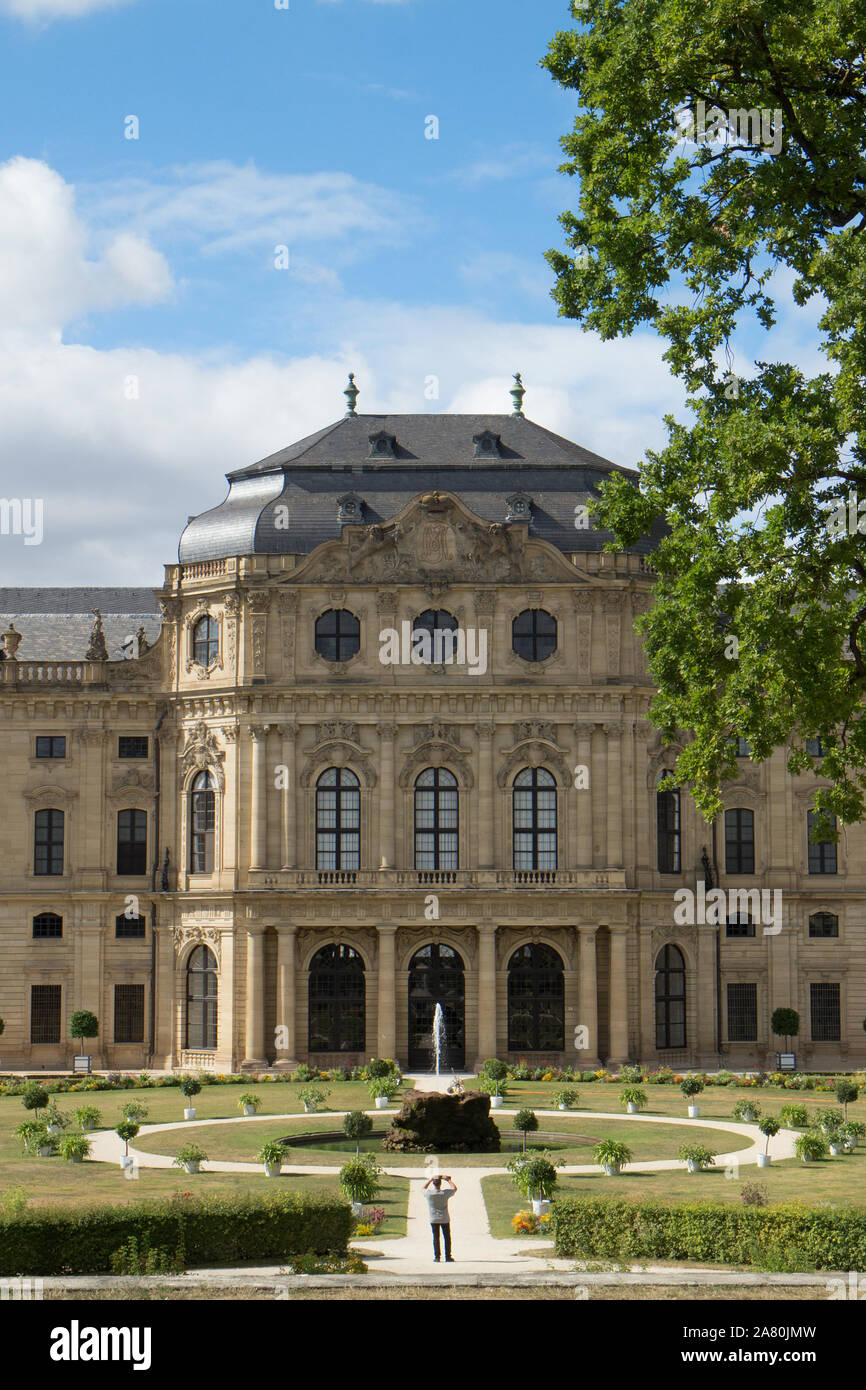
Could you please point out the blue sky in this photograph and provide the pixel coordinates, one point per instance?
(148, 342)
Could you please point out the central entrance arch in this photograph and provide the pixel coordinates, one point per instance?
(436, 976)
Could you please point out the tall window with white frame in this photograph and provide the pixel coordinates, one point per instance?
(338, 820)
(534, 816)
(436, 820)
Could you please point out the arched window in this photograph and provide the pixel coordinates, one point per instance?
(534, 800)
(536, 1000)
(670, 995)
(823, 924)
(436, 976)
(202, 820)
(132, 842)
(668, 828)
(739, 841)
(436, 819)
(338, 820)
(533, 634)
(205, 641)
(201, 999)
(48, 842)
(437, 625)
(47, 924)
(337, 1020)
(338, 634)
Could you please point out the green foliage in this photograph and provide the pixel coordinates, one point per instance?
(785, 1023)
(744, 1108)
(769, 1126)
(633, 1095)
(29, 1131)
(379, 1066)
(190, 1085)
(691, 1086)
(137, 1259)
(492, 1086)
(846, 1092)
(386, 1086)
(715, 1233)
(357, 1125)
(526, 1120)
(794, 1116)
(88, 1115)
(13, 1201)
(567, 1097)
(696, 1153)
(495, 1069)
(630, 1075)
(313, 1096)
(74, 1146)
(359, 1178)
(811, 1146)
(213, 1231)
(83, 1024)
(274, 1151)
(56, 1117)
(34, 1097)
(693, 238)
(127, 1129)
(535, 1175)
(134, 1110)
(611, 1151)
(827, 1118)
(249, 1099)
(190, 1153)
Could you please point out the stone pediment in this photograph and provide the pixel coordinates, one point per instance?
(436, 538)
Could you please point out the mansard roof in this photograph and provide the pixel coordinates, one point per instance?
(288, 503)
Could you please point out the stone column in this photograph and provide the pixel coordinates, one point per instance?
(613, 733)
(254, 1031)
(584, 800)
(286, 1048)
(618, 996)
(587, 983)
(386, 1045)
(289, 800)
(485, 796)
(387, 734)
(486, 991)
(259, 798)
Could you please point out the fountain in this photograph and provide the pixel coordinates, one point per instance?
(438, 1035)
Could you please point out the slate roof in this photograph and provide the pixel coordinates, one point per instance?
(431, 452)
(55, 624)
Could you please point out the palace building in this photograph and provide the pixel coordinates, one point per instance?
(380, 741)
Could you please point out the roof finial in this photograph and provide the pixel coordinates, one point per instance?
(518, 391)
(351, 393)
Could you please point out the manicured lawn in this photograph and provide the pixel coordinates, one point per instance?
(574, 1141)
(836, 1182)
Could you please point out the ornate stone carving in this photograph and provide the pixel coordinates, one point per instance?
(197, 936)
(441, 733)
(202, 753)
(259, 600)
(533, 754)
(133, 782)
(529, 728)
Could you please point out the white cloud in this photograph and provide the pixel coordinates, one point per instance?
(56, 9)
(47, 277)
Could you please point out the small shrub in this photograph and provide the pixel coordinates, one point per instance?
(138, 1257)
(611, 1151)
(744, 1108)
(311, 1097)
(190, 1085)
(566, 1097)
(691, 1086)
(696, 1153)
(494, 1069)
(34, 1097)
(631, 1076)
(74, 1147)
(13, 1201)
(357, 1125)
(754, 1194)
(190, 1153)
(248, 1098)
(359, 1178)
(633, 1095)
(811, 1146)
(794, 1116)
(524, 1223)
(88, 1115)
(134, 1110)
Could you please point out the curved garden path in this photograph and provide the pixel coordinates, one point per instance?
(476, 1251)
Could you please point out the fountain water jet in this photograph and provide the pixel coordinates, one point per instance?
(438, 1035)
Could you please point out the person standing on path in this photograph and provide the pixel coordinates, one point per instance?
(437, 1204)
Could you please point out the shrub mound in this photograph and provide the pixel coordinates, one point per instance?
(790, 1235)
(210, 1230)
(430, 1122)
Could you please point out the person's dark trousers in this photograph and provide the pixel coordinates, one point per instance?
(445, 1228)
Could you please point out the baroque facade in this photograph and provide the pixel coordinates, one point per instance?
(390, 749)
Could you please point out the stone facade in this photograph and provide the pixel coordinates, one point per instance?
(266, 715)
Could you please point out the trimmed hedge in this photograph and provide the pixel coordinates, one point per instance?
(210, 1230)
(717, 1233)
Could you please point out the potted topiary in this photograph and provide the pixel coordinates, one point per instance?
(696, 1157)
(535, 1175)
(271, 1155)
(357, 1125)
(634, 1098)
(494, 1088)
(612, 1155)
(249, 1103)
(74, 1147)
(190, 1158)
(383, 1090)
(34, 1097)
(126, 1130)
(527, 1122)
(311, 1097)
(769, 1126)
(811, 1147)
(565, 1099)
(794, 1116)
(692, 1086)
(190, 1085)
(55, 1120)
(83, 1024)
(359, 1180)
(88, 1117)
(846, 1092)
(134, 1110)
(747, 1111)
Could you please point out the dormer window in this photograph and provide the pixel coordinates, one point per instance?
(350, 509)
(487, 445)
(383, 445)
(519, 507)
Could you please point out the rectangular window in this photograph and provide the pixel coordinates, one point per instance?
(129, 1013)
(45, 1013)
(814, 747)
(822, 856)
(126, 928)
(743, 1013)
(129, 746)
(744, 749)
(824, 924)
(47, 924)
(51, 746)
(740, 841)
(740, 924)
(48, 842)
(132, 842)
(826, 1010)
